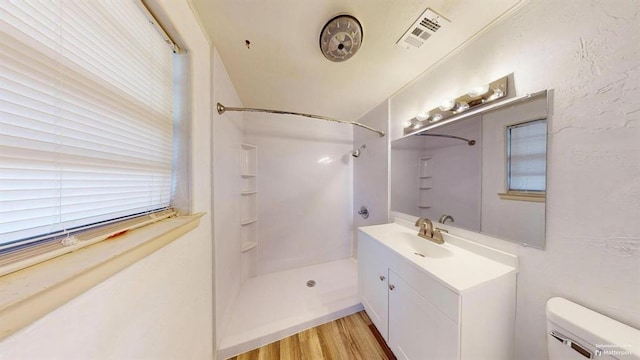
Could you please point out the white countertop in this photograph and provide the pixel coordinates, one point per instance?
(460, 270)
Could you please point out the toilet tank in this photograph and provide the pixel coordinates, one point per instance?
(575, 332)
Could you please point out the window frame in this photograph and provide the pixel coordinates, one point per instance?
(523, 195)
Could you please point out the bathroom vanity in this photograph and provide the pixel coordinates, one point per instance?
(429, 301)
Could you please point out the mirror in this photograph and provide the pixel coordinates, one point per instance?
(487, 172)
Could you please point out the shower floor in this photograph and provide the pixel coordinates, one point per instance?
(273, 306)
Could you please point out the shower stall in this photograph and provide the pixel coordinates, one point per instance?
(285, 262)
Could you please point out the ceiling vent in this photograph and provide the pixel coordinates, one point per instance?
(427, 24)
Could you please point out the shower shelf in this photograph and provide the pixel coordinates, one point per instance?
(425, 184)
(246, 246)
(248, 163)
(248, 222)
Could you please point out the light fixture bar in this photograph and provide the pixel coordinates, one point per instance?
(221, 110)
(478, 97)
(491, 107)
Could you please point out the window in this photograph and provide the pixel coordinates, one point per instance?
(86, 117)
(526, 157)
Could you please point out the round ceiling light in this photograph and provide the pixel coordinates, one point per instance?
(341, 38)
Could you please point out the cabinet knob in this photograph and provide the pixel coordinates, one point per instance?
(382, 278)
(391, 287)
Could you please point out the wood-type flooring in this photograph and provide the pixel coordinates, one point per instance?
(352, 337)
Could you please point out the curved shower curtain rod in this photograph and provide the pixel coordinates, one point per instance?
(221, 109)
(470, 142)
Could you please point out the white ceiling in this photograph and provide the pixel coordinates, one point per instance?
(285, 70)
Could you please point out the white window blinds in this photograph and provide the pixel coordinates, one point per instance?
(86, 118)
(527, 154)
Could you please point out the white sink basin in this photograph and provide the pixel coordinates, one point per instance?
(421, 247)
(458, 264)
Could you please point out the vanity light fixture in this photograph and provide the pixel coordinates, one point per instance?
(478, 91)
(447, 105)
(461, 106)
(497, 93)
(435, 117)
(477, 97)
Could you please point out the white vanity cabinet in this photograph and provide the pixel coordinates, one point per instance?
(422, 316)
(373, 285)
(417, 329)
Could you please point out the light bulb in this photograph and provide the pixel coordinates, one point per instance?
(462, 106)
(497, 93)
(479, 91)
(447, 105)
(436, 117)
(422, 116)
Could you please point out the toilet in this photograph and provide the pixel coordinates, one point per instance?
(575, 332)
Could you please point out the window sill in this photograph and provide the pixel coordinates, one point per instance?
(30, 293)
(523, 196)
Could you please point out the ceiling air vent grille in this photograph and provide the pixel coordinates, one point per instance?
(427, 24)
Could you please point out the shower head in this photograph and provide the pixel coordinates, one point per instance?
(355, 153)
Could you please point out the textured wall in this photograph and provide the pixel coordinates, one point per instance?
(588, 52)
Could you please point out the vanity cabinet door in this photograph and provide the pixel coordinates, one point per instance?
(373, 282)
(417, 329)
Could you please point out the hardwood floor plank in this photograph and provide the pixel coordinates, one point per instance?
(290, 348)
(376, 334)
(365, 318)
(350, 338)
(251, 355)
(366, 344)
(269, 352)
(310, 344)
(332, 342)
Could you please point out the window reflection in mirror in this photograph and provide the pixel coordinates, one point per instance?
(484, 172)
(527, 157)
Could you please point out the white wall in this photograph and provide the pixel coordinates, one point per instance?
(227, 136)
(304, 190)
(587, 52)
(160, 307)
(371, 170)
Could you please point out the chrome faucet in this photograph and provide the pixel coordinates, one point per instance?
(444, 218)
(427, 231)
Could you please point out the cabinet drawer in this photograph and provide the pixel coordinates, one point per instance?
(444, 299)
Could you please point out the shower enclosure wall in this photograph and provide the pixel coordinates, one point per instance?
(290, 222)
(305, 190)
